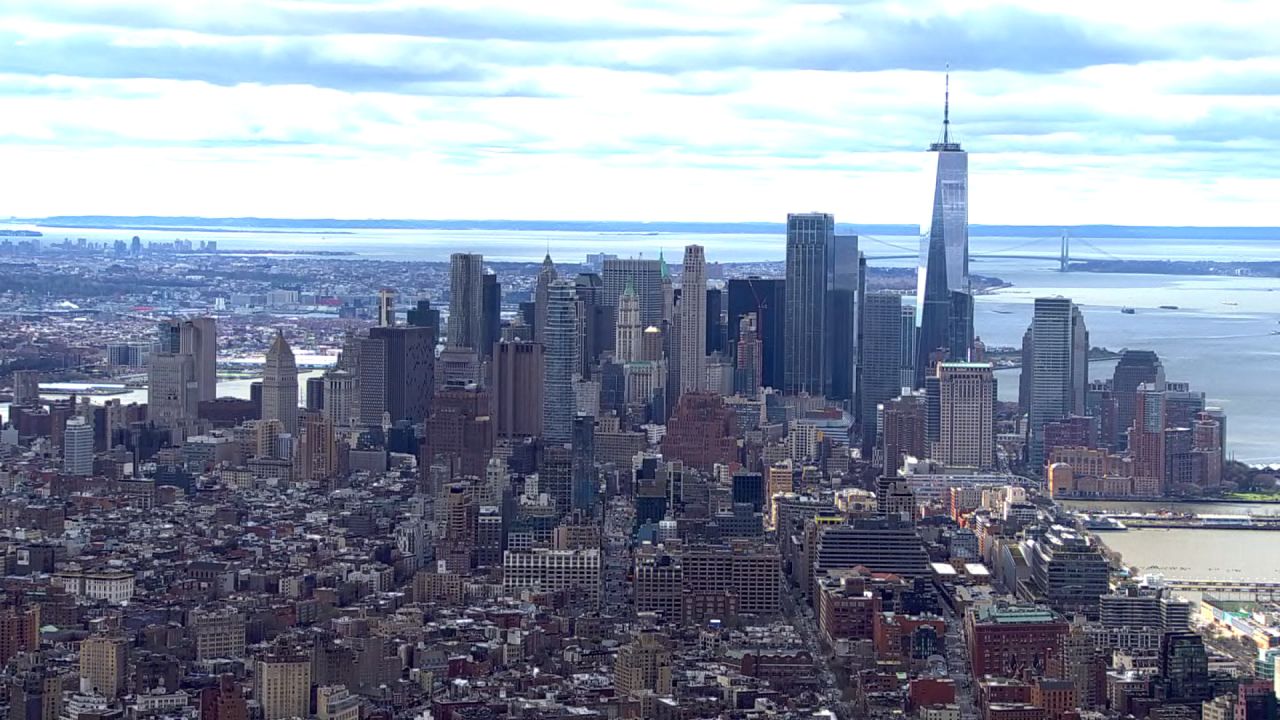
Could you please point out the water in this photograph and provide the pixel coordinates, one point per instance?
(1225, 350)
(1201, 508)
(1199, 554)
(236, 388)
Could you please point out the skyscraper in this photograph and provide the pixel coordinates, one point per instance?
(693, 320)
(1054, 325)
(809, 240)
(766, 298)
(466, 300)
(546, 275)
(1135, 368)
(490, 312)
(943, 300)
(747, 363)
(558, 407)
(966, 427)
(645, 277)
(397, 374)
(517, 389)
(627, 328)
(280, 385)
(197, 337)
(26, 387)
(173, 395)
(77, 447)
(843, 318)
(881, 363)
(715, 321)
(386, 307)
(1147, 440)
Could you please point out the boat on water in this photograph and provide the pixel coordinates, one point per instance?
(1168, 307)
(1128, 310)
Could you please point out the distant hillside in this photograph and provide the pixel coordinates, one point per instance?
(147, 222)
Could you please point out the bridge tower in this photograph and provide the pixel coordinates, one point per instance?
(1064, 259)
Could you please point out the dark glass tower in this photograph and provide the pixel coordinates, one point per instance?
(809, 240)
(765, 297)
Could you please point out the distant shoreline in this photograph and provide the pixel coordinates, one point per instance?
(330, 225)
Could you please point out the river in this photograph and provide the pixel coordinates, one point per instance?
(1199, 554)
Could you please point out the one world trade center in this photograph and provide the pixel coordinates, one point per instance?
(944, 301)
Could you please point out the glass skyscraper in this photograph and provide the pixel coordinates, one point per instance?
(809, 245)
(943, 295)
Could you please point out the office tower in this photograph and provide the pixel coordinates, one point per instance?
(197, 337)
(644, 665)
(1053, 354)
(396, 374)
(466, 300)
(1025, 372)
(460, 429)
(908, 375)
(490, 313)
(423, 315)
(173, 395)
(748, 487)
(748, 358)
(1147, 441)
(1135, 368)
(645, 278)
(517, 389)
(103, 664)
(693, 320)
(809, 239)
(943, 299)
(317, 447)
(26, 388)
(766, 298)
(716, 331)
(280, 385)
(1182, 404)
(881, 363)
(902, 431)
(895, 499)
(77, 447)
(1079, 362)
(558, 406)
(702, 432)
(1207, 442)
(1007, 640)
(315, 394)
(967, 423)
(386, 307)
(584, 463)
(594, 322)
(843, 316)
(546, 275)
(627, 328)
(282, 685)
(339, 397)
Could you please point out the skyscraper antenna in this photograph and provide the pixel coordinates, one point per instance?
(946, 109)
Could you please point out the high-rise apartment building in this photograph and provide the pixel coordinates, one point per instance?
(558, 404)
(466, 300)
(881, 362)
(318, 450)
(967, 423)
(77, 447)
(280, 385)
(1147, 440)
(943, 299)
(693, 320)
(26, 388)
(809, 241)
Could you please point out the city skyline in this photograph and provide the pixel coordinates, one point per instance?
(1134, 115)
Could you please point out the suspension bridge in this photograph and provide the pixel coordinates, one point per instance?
(1059, 247)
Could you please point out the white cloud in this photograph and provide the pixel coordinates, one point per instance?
(623, 110)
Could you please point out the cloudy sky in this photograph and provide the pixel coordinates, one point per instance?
(1124, 111)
